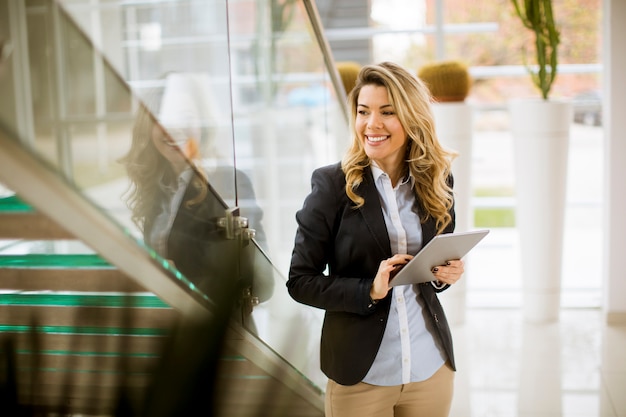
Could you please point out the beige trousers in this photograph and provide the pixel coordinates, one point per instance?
(430, 398)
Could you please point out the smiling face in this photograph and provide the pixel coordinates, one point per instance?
(379, 129)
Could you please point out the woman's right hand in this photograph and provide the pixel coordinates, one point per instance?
(380, 286)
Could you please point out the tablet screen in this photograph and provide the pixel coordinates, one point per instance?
(441, 248)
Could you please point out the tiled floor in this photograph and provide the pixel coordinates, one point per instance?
(509, 368)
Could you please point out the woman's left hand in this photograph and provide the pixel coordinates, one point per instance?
(449, 273)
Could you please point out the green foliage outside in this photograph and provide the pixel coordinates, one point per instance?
(490, 217)
(579, 23)
(537, 16)
(494, 217)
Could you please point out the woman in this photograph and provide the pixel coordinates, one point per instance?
(386, 352)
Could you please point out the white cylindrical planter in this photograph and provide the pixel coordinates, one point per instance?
(541, 142)
(453, 124)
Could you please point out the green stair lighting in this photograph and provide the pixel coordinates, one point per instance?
(54, 261)
(81, 300)
(85, 330)
(14, 203)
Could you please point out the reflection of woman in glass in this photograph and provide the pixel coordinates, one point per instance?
(174, 205)
(163, 179)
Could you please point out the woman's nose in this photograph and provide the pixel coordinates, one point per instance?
(374, 122)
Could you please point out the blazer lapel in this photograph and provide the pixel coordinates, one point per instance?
(372, 213)
(428, 231)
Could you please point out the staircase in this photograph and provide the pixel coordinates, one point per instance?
(340, 18)
(89, 340)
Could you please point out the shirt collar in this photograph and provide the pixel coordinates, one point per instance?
(377, 172)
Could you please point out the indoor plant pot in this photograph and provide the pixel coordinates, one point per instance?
(540, 129)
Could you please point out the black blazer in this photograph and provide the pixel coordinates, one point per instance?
(352, 242)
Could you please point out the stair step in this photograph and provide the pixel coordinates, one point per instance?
(31, 226)
(87, 316)
(84, 330)
(47, 261)
(84, 362)
(78, 280)
(60, 339)
(82, 300)
(18, 220)
(86, 396)
(13, 203)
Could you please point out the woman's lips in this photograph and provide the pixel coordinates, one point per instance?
(377, 138)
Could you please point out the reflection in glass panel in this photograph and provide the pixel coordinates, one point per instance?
(138, 153)
(176, 210)
(288, 118)
(174, 56)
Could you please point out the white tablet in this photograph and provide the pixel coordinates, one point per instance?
(441, 248)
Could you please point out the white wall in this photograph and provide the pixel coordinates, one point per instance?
(614, 59)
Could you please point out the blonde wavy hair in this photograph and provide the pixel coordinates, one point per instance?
(427, 161)
(145, 166)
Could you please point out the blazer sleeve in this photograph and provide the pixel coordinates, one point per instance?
(315, 246)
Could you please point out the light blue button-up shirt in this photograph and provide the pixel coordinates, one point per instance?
(408, 352)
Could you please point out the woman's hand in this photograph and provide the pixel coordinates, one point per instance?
(380, 286)
(449, 273)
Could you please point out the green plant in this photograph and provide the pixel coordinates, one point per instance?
(446, 80)
(537, 16)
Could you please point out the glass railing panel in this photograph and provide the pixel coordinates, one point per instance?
(174, 57)
(288, 119)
